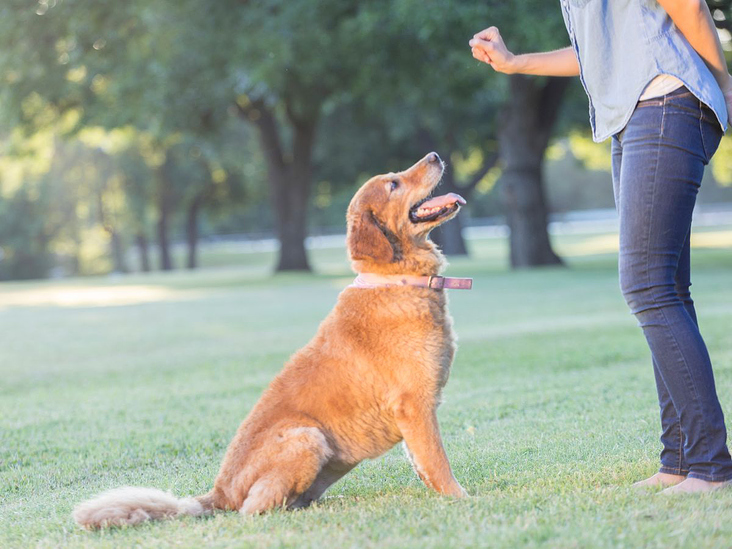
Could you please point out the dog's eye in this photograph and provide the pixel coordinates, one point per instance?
(393, 185)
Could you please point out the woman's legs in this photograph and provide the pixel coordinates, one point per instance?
(672, 438)
(658, 163)
(673, 469)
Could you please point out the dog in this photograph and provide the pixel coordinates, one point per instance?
(371, 377)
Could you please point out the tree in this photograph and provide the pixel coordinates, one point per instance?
(25, 251)
(39, 202)
(527, 122)
(432, 95)
(109, 205)
(137, 185)
(94, 56)
(423, 90)
(302, 60)
(722, 13)
(286, 69)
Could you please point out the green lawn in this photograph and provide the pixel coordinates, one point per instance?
(549, 416)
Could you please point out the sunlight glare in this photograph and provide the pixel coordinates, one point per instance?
(92, 296)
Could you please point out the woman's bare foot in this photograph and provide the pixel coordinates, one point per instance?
(660, 479)
(696, 485)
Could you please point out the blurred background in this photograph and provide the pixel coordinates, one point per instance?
(145, 135)
(161, 159)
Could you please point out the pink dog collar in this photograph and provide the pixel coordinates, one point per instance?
(371, 280)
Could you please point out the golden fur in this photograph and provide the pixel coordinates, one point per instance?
(370, 377)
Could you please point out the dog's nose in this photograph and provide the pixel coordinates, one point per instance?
(433, 157)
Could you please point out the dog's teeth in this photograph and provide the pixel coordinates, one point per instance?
(423, 212)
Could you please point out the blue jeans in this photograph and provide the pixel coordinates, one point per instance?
(658, 161)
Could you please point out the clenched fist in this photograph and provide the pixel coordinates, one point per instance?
(487, 46)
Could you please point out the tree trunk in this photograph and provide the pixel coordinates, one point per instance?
(291, 200)
(192, 231)
(449, 236)
(115, 241)
(291, 208)
(166, 263)
(523, 197)
(525, 127)
(118, 252)
(289, 179)
(143, 251)
(165, 209)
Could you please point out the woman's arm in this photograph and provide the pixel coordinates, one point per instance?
(487, 46)
(693, 19)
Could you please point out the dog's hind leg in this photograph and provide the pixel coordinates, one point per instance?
(297, 456)
(328, 475)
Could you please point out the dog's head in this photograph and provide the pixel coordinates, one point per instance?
(391, 216)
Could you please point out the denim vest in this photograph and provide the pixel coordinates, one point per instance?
(621, 45)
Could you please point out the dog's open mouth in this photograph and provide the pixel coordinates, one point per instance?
(430, 209)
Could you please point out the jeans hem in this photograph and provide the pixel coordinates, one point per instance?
(673, 470)
(710, 478)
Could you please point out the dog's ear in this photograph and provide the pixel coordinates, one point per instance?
(368, 240)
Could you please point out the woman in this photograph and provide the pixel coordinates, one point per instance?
(658, 84)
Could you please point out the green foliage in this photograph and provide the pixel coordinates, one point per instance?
(722, 13)
(38, 206)
(594, 156)
(385, 81)
(722, 162)
(25, 252)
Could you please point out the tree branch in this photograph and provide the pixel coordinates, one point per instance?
(488, 164)
(257, 113)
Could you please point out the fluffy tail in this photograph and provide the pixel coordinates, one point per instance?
(130, 505)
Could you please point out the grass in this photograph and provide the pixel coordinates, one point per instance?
(549, 416)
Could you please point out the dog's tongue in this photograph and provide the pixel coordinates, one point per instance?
(442, 201)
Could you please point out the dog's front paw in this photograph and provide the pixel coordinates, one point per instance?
(456, 491)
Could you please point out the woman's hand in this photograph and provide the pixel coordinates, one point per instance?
(488, 46)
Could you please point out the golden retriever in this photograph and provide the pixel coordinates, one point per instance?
(371, 376)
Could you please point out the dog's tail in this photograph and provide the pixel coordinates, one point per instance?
(131, 505)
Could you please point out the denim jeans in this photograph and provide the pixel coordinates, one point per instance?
(658, 161)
